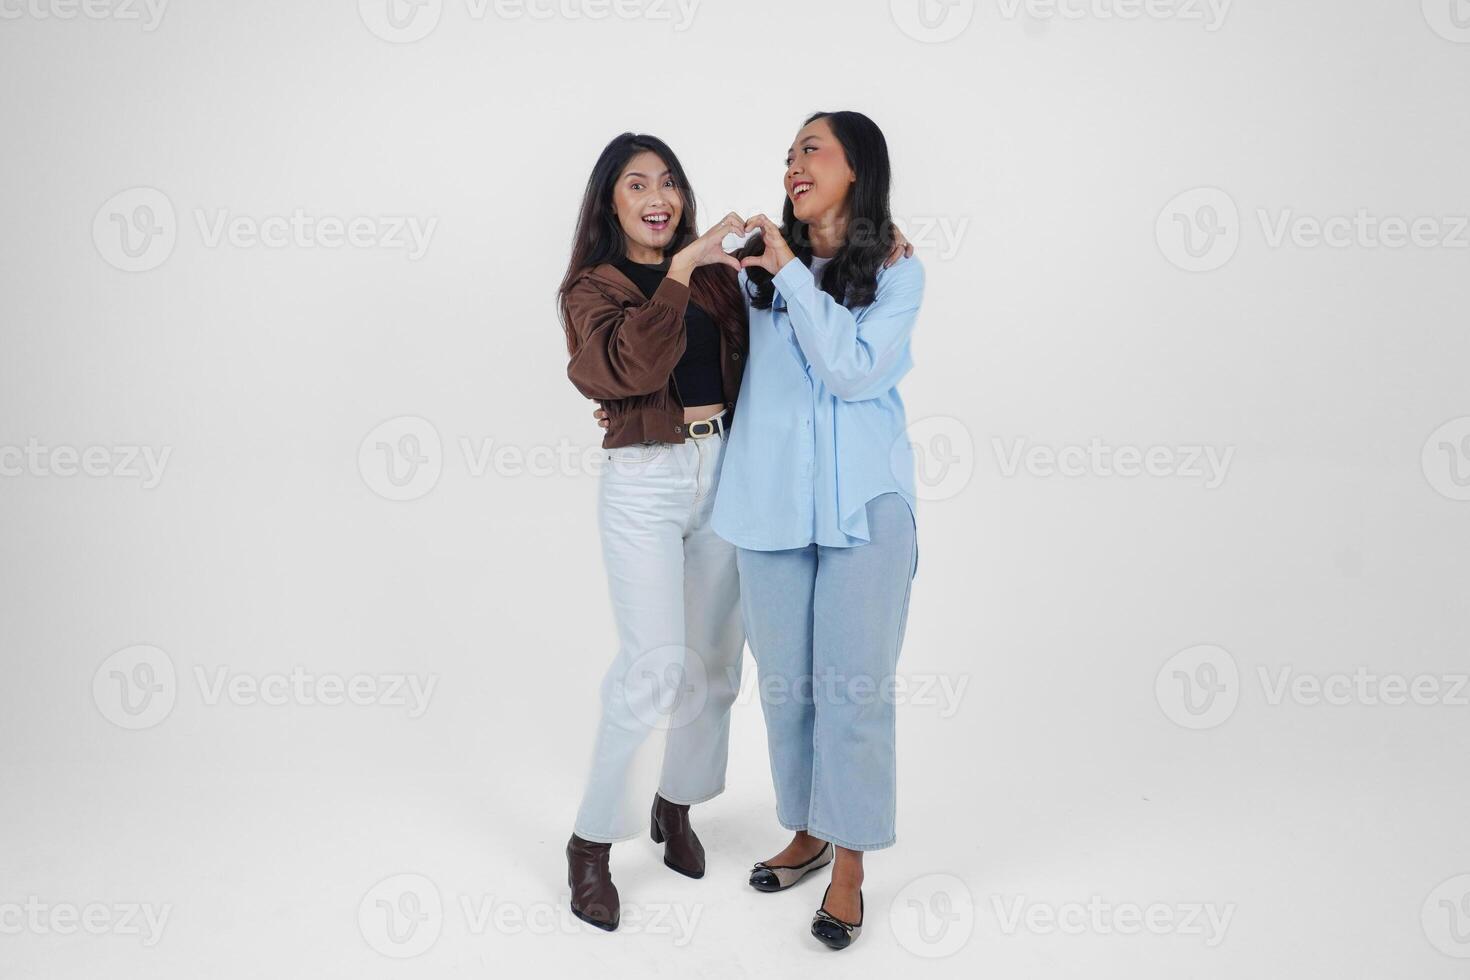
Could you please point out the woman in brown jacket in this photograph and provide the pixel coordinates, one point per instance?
(656, 332)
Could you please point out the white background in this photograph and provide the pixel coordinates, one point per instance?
(1053, 145)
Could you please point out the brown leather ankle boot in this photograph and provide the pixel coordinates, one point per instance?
(669, 826)
(594, 896)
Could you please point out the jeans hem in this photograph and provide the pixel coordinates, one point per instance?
(693, 802)
(604, 838)
(849, 845)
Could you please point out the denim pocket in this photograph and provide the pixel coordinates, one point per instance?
(639, 452)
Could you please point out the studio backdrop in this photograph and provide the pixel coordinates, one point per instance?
(303, 613)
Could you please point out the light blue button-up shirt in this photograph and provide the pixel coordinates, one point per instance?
(819, 426)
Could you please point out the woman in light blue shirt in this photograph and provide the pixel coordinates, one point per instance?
(817, 493)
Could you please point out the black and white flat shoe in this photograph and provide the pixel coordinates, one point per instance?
(775, 877)
(831, 931)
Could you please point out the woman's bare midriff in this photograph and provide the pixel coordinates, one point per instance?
(696, 413)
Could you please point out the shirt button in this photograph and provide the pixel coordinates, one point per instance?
(735, 355)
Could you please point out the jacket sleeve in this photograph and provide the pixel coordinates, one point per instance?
(857, 355)
(625, 352)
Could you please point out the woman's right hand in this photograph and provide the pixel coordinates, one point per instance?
(601, 417)
(707, 249)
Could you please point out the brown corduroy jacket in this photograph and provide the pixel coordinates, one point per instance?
(624, 347)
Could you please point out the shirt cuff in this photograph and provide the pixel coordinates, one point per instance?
(792, 276)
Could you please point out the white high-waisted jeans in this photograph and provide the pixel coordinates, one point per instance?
(676, 601)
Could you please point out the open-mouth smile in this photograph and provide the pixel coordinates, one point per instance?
(800, 188)
(657, 221)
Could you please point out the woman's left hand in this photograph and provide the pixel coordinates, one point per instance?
(777, 252)
(902, 248)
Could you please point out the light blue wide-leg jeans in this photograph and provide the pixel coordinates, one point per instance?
(825, 626)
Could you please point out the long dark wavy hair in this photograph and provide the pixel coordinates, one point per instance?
(599, 237)
(852, 276)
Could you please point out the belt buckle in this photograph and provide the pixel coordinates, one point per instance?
(709, 428)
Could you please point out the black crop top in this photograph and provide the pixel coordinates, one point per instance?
(697, 375)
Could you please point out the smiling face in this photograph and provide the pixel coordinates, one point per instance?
(818, 176)
(648, 206)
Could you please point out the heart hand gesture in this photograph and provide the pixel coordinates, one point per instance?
(708, 249)
(777, 252)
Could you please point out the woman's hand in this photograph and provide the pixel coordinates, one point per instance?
(777, 252)
(601, 417)
(902, 248)
(707, 249)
